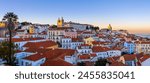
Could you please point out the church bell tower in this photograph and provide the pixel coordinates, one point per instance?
(109, 27)
(60, 22)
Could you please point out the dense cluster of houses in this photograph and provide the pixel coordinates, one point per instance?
(43, 45)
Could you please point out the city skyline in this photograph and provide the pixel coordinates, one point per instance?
(131, 15)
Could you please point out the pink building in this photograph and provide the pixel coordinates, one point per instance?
(71, 34)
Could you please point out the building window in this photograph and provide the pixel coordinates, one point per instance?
(22, 63)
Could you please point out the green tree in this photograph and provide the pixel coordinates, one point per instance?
(81, 64)
(94, 28)
(4, 52)
(101, 62)
(10, 19)
(87, 28)
(25, 23)
(54, 26)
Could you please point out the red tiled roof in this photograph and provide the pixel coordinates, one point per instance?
(89, 63)
(143, 42)
(84, 45)
(145, 57)
(116, 48)
(59, 53)
(25, 39)
(139, 63)
(99, 49)
(96, 42)
(43, 44)
(129, 57)
(58, 62)
(36, 50)
(34, 57)
(18, 51)
(85, 56)
(93, 55)
(76, 40)
(139, 55)
(117, 64)
(110, 59)
(53, 54)
(116, 58)
(67, 52)
(113, 59)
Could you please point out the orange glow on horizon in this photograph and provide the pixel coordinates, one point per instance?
(132, 29)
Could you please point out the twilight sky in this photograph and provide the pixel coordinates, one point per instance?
(132, 15)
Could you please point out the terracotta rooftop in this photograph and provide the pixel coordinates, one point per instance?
(93, 55)
(43, 44)
(52, 54)
(58, 53)
(36, 50)
(116, 48)
(76, 40)
(116, 58)
(129, 57)
(84, 45)
(111, 60)
(18, 51)
(85, 56)
(25, 39)
(96, 42)
(117, 64)
(139, 55)
(143, 42)
(34, 57)
(58, 62)
(145, 57)
(99, 49)
(88, 63)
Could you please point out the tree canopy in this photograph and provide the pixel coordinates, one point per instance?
(101, 62)
(4, 52)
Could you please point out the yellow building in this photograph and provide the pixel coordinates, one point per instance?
(109, 27)
(89, 40)
(31, 29)
(2, 25)
(60, 22)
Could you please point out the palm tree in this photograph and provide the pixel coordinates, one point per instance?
(10, 19)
